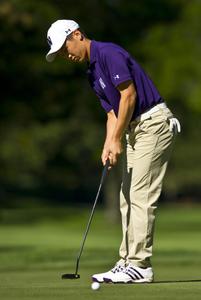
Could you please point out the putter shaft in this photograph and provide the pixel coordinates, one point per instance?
(76, 275)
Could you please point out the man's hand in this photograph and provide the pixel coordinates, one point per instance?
(112, 151)
(105, 155)
(115, 150)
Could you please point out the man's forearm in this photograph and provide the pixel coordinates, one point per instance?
(113, 145)
(110, 127)
(126, 109)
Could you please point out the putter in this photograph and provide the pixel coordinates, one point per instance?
(76, 275)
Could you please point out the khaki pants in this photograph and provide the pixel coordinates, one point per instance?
(148, 147)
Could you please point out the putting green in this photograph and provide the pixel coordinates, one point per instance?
(37, 247)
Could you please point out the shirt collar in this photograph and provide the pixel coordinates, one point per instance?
(93, 49)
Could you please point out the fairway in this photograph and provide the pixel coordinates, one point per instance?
(37, 247)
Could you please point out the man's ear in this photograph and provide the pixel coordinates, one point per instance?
(77, 32)
(78, 35)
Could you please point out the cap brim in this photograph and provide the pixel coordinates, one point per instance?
(50, 56)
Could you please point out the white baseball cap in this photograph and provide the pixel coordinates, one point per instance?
(57, 34)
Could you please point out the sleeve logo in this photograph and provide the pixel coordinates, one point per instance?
(116, 77)
(102, 83)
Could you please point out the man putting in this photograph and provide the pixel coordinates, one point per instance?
(136, 113)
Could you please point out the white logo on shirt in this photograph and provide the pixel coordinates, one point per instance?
(102, 83)
(116, 76)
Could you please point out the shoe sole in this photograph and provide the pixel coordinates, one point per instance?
(94, 279)
(108, 280)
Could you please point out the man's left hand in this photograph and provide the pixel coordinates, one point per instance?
(115, 149)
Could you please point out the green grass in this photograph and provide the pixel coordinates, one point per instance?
(37, 247)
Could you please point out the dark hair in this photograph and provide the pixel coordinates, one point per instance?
(69, 37)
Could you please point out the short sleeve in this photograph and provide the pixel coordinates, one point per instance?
(106, 106)
(116, 64)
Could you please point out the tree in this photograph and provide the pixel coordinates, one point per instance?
(172, 55)
(52, 126)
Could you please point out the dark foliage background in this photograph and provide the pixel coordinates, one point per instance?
(51, 124)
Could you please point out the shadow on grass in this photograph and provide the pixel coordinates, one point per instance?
(15, 249)
(176, 281)
(162, 281)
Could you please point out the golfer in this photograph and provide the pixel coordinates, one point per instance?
(140, 125)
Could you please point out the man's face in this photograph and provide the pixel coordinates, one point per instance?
(74, 48)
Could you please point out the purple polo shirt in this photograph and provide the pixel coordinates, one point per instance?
(111, 65)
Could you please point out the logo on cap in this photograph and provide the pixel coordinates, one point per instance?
(67, 31)
(49, 41)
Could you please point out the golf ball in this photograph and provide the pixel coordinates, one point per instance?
(95, 286)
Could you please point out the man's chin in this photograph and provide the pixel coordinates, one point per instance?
(78, 60)
(81, 59)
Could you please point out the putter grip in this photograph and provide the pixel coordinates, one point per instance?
(105, 171)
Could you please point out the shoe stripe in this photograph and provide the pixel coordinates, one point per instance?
(141, 276)
(131, 275)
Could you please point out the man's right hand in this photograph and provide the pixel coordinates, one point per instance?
(105, 155)
(110, 126)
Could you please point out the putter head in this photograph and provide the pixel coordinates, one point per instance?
(70, 276)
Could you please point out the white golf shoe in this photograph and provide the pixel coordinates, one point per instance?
(109, 274)
(130, 274)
